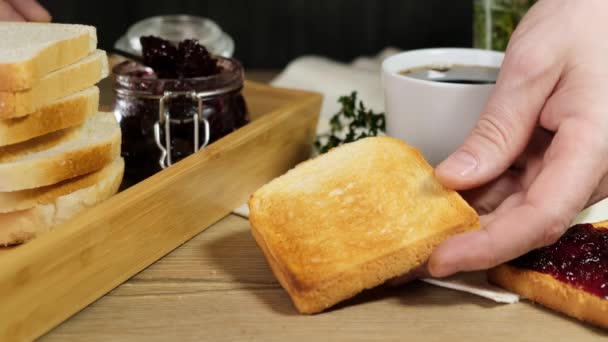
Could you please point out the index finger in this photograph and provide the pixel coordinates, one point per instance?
(571, 172)
(31, 10)
(8, 13)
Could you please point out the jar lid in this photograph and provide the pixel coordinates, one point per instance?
(176, 28)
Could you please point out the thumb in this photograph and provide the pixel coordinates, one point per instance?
(506, 124)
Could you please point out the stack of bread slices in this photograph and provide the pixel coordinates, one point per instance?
(58, 154)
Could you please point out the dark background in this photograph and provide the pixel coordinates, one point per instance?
(270, 33)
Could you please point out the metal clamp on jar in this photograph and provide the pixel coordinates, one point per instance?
(164, 118)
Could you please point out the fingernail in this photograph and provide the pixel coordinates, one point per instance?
(44, 16)
(39, 14)
(461, 163)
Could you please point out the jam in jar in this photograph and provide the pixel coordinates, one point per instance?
(179, 100)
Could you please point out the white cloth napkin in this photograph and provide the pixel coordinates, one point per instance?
(333, 80)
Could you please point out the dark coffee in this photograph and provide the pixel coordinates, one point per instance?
(463, 74)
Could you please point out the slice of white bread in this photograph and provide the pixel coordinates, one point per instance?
(27, 199)
(353, 218)
(29, 51)
(58, 156)
(60, 83)
(66, 112)
(88, 191)
(552, 293)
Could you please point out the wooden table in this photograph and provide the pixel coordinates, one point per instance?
(218, 287)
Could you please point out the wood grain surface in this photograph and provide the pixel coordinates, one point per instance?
(50, 278)
(218, 287)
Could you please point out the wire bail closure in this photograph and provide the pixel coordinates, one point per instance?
(164, 119)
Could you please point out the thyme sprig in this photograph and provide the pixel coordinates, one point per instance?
(353, 122)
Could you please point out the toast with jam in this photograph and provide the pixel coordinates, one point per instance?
(570, 276)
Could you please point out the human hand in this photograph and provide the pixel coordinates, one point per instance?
(539, 153)
(23, 10)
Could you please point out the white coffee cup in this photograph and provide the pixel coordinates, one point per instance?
(432, 116)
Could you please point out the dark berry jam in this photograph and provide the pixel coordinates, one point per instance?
(579, 258)
(188, 59)
(187, 68)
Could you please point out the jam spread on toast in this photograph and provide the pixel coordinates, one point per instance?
(579, 258)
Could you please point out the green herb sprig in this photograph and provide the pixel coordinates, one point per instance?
(353, 122)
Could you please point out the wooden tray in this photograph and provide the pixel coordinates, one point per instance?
(44, 282)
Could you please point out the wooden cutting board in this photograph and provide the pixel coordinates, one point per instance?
(54, 276)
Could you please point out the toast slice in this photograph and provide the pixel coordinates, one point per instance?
(60, 83)
(58, 156)
(88, 191)
(67, 112)
(548, 291)
(353, 218)
(29, 51)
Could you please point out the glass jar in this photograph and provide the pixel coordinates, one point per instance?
(176, 28)
(495, 21)
(166, 120)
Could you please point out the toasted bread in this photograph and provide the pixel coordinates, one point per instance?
(353, 218)
(60, 83)
(552, 293)
(58, 156)
(66, 112)
(29, 51)
(22, 226)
